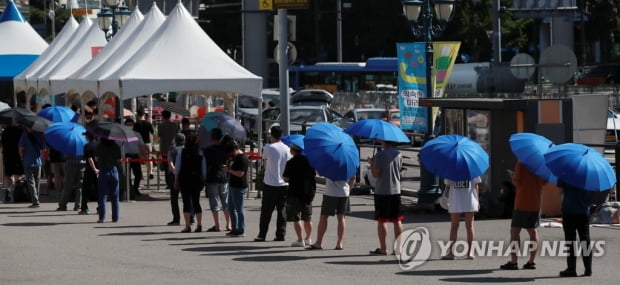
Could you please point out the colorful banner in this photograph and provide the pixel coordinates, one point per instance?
(412, 79)
(411, 85)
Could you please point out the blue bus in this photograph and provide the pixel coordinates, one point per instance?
(346, 76)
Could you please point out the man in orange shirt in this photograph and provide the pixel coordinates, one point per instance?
(526, 214)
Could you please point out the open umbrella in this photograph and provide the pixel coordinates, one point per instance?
(331, 151)
(11, 116)
(296, 139)
(35, 123)
(377, 129)
(66, 137)
(230, 126)
(207, 121)
(113, 131)
(454, 157)
(580, 166)
(530, 149)
(58, 114)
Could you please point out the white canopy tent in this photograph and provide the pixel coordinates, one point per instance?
(19, 81)
(180, 56)
(80, 32)
(81, 53)
(116, 45)
(83, 83)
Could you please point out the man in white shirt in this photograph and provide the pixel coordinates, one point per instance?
(275, 154)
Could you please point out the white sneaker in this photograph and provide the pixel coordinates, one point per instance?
(308, 242)
(298, 244)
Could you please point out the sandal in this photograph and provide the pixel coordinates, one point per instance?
(529, 265)
(313, 247)
(186, 230)
(509, 266)
(448, 257)
(338, 248)
(213, 229)
(198, 229)
(378, 252)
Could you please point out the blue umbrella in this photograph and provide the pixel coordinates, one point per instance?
(208, 122)
(230, 126)
(530, 149)
(58, 114)
(296, 139)
(580, 166)
(66, 137)
(331, 152)
(377, 129)
(454, 157)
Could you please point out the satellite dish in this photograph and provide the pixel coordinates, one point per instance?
(522, 66)
(558, 63)
(292, 53)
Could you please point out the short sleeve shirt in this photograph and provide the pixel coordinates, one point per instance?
(240, 163)
(276, 155)
(301, 176)
(166, 131)
(336, 188)
(145, 129)
(463, 197)
(33, 145)
(389, 162)
(108, 155)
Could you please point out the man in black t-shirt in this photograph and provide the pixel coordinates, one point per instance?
(301, 189)
(145, 129)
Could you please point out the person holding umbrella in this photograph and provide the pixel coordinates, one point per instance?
(575, 217)
(31, 145)
(386, 168)
(463, 200)
(190, 172)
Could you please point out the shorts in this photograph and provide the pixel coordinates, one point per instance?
(388, 208)
(296, 210)
(335, 205)
(215, 192)
(525, 219)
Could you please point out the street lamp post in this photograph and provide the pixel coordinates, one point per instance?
(113, 15)
(429, 184)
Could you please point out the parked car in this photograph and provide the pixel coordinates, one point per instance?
(349, 118)
(304, 117)
(246, 108)
(602, 74)
(312, 97)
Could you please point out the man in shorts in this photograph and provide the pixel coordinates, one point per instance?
(386, 168)
(335, 201)
(301, 189)
(526, 214)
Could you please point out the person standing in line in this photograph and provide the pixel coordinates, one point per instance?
(31, 146)
(57, 168)
(237, 187)
(386, 169)
(463, 200)
(166, 132)
(72, 182)
(275, 154)
(179, 142)
(526, 213)
(190, 172)
(335, 202)
(301, 190)
(575, 220)
(108, 156)
(12, 163)
(89, 185)
(217, 180)
(145, 129)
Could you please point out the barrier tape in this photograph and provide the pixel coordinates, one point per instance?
(141, 160)
(252, 155)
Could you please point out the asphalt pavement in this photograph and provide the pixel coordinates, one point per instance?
(43, 246)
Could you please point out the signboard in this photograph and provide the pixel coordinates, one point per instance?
(283, 4)
(81, 12)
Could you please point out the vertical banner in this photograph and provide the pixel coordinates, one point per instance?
(412, 86)
(444, 54)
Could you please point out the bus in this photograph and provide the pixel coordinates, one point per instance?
(338, 77)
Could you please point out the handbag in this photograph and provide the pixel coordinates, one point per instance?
(444, 199)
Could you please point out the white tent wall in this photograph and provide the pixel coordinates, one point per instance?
(34, 82)
(181, 57)
(79, 55)
(19, 81)
(151, 22)
(121, 39)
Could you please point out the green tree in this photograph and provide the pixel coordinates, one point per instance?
(603, 17)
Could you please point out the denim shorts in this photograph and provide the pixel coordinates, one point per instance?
(215, 192)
